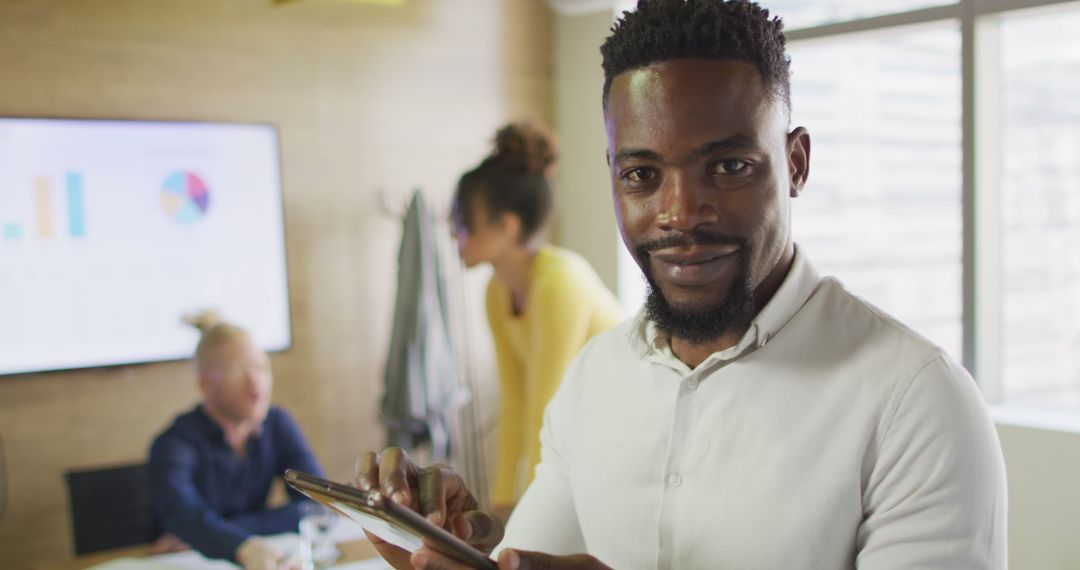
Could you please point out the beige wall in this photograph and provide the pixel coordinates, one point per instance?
(1043, 467)
(364, 96)
(586, 220)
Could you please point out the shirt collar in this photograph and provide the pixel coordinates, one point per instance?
(801, 281)
(214, 431)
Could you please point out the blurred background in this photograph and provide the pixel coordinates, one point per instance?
(945, 189)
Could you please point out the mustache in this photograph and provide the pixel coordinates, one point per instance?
(695, 237)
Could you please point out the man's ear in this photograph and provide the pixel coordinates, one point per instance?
(204, 382)
(798, 150)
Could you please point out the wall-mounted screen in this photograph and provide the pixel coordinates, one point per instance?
(111, 231)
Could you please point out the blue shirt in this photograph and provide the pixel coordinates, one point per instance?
(211, 498)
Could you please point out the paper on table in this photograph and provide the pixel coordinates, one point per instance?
(126, 563)
(371, 564)
(178, 561)
(285, 543)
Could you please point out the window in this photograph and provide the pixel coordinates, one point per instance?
(1040, 209)
(802, 14)
(879, 95)
(882, 207)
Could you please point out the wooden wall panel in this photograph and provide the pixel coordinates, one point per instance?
(365, 97)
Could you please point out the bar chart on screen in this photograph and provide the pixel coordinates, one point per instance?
(110, 231)
(48, 207)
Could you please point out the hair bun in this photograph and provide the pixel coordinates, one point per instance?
(526, 146)
(203, 320)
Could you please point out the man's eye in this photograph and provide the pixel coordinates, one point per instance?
(730, 166)
(639, 174)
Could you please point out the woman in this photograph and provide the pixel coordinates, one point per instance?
(543, 302)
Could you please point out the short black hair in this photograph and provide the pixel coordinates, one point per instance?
(665, 30)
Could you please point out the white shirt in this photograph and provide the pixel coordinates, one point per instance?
(831, 436)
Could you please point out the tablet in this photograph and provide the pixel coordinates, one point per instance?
(394, 523)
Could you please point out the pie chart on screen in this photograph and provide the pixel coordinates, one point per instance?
(185, 197)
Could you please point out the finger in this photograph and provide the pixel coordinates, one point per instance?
(458, 498)
(485, 530)
(433, 494)
(274, 561)
(288, 563)
(394, 469)
(511, 559)
(428, 559)
(394, 556)
(367, 471)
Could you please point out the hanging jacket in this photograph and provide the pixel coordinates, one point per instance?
(422, 387)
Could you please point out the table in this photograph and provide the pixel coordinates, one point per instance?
(351, 551)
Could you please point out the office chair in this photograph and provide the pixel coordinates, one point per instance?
(110, 508)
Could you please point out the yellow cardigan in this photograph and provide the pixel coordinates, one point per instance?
(567, 305)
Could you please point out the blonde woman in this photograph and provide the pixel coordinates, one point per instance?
(211, 470)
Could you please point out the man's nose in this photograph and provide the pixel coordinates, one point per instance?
(684, 204)
(252, 378)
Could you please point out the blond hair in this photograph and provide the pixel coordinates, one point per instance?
(213, 332)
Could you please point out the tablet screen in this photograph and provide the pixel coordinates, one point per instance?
(394, 534)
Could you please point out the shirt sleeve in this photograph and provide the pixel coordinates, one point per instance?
(935, 497)
(511, 405)
(545, 519)
(178, 503)
(292, 452)
(285, 518)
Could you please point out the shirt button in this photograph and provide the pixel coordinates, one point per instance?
(692, 384)
(674, 480)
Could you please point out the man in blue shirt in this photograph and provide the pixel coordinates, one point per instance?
(212, 469)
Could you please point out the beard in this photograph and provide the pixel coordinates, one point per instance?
(700, 324)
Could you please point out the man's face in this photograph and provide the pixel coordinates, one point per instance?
(702, 168)
(236, 380)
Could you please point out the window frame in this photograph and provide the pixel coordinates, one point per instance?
(981, 293)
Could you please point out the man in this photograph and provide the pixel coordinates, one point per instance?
(212, 470)
(755, 415)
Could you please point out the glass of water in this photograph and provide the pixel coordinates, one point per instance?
(317, 549)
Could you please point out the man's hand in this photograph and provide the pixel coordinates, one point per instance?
(437, 492)
(256, 554)
(509, 559)
(503, 512)
(168, 543)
